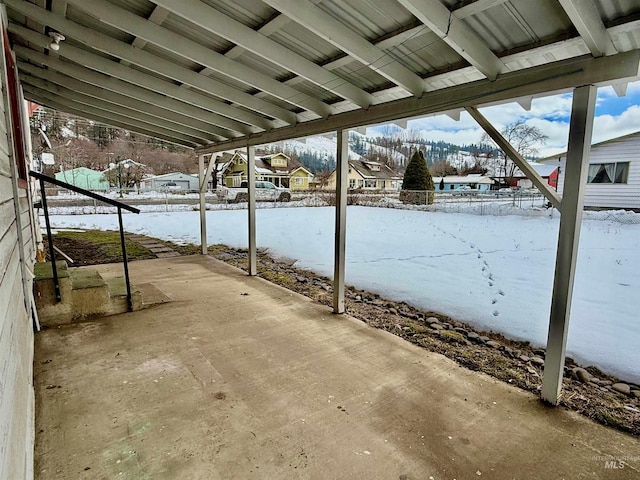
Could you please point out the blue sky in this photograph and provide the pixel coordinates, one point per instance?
(615, 116)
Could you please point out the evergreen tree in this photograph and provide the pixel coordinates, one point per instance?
(417, 181)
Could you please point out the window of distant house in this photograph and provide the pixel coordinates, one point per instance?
(360, 183)
(370, 184)
(382, 184)
(352, 183)
(298, 180)
(608, 173)
(278, 162)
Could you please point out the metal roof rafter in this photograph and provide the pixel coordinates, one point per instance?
(180, 45)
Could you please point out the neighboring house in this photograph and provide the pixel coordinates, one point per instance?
(173, 181)
(548, 172)
(473, 181)
(276, 168)
(366, 175)
(84, 177)
(613, 180)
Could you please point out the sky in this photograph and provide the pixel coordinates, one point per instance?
(615, 116)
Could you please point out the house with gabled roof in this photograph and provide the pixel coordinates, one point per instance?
(368, 175)
(613, 179)
(277, 168)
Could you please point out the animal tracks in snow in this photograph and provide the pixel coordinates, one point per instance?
(485, 269)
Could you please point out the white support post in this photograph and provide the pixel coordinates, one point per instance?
(342, 170)
(575, 182)
(251, 189)
(203, 204)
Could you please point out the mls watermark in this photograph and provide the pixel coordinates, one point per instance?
(615, 462)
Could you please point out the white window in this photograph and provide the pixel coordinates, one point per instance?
(370, 184)
(352, 183)
(608, 173)
(360, 183)
(298, 180)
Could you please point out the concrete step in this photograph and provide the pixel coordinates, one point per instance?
(85, 294)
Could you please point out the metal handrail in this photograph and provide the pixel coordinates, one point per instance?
(120, 206)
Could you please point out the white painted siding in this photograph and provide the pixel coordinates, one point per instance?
(16, 332)
(621, 195)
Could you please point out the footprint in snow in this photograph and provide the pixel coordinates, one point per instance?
(493, 301)
(491, 284)
(500, 292)
(495, 313)
(479, 256)
(485, 263)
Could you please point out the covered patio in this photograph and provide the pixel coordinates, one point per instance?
(219, 384)
(259, 382)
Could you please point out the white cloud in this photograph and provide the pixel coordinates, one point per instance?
(550, 114)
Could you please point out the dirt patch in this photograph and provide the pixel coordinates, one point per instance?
(94, 247)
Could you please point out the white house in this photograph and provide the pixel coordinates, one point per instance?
(472, 181)
(614, 173)
(173, 181)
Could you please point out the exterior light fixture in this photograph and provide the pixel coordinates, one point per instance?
(56, 38)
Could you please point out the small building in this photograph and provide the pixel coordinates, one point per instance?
(613, 179)
(367, 175)
(473, 181)
(277, 168)
(172, 181)
(84, 177)
(548, 172)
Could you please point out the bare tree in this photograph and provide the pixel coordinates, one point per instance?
(524, 138)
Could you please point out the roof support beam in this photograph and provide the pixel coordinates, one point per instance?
(203, 203)
(513, 154)
(129, 22)
(575, 185)
(340, 241)
(218, 123)
(314, 19)
(106, 120)
(112, 103)
(457, 35)
(109, 96)
(585, 17)
(94, 108)
(216, 22)
(159, 65)
(556, 77)
(251, 210)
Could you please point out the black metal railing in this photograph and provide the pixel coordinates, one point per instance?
(119, 205)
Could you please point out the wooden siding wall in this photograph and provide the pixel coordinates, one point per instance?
(618, 195)
(16, 331)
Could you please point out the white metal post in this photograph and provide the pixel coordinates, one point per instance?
(203, 204)
(251, 197)
(342, 169)
(575, 182)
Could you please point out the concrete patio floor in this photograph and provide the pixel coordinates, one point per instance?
(237, 378)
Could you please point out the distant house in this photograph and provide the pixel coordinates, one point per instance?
(473, 181)
(276, 168)
(548, 172)
(172, 181)
(366, 175)
(613, 180)
(84, 177)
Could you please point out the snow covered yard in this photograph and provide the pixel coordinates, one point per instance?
(494, 272)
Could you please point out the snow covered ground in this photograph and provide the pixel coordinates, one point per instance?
(492, 272)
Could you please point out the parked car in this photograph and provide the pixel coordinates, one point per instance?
(265, 191)
(170, 186)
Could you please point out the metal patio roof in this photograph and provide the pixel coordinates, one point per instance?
(221, 74)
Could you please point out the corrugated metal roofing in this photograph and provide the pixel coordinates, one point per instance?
(294, 67)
